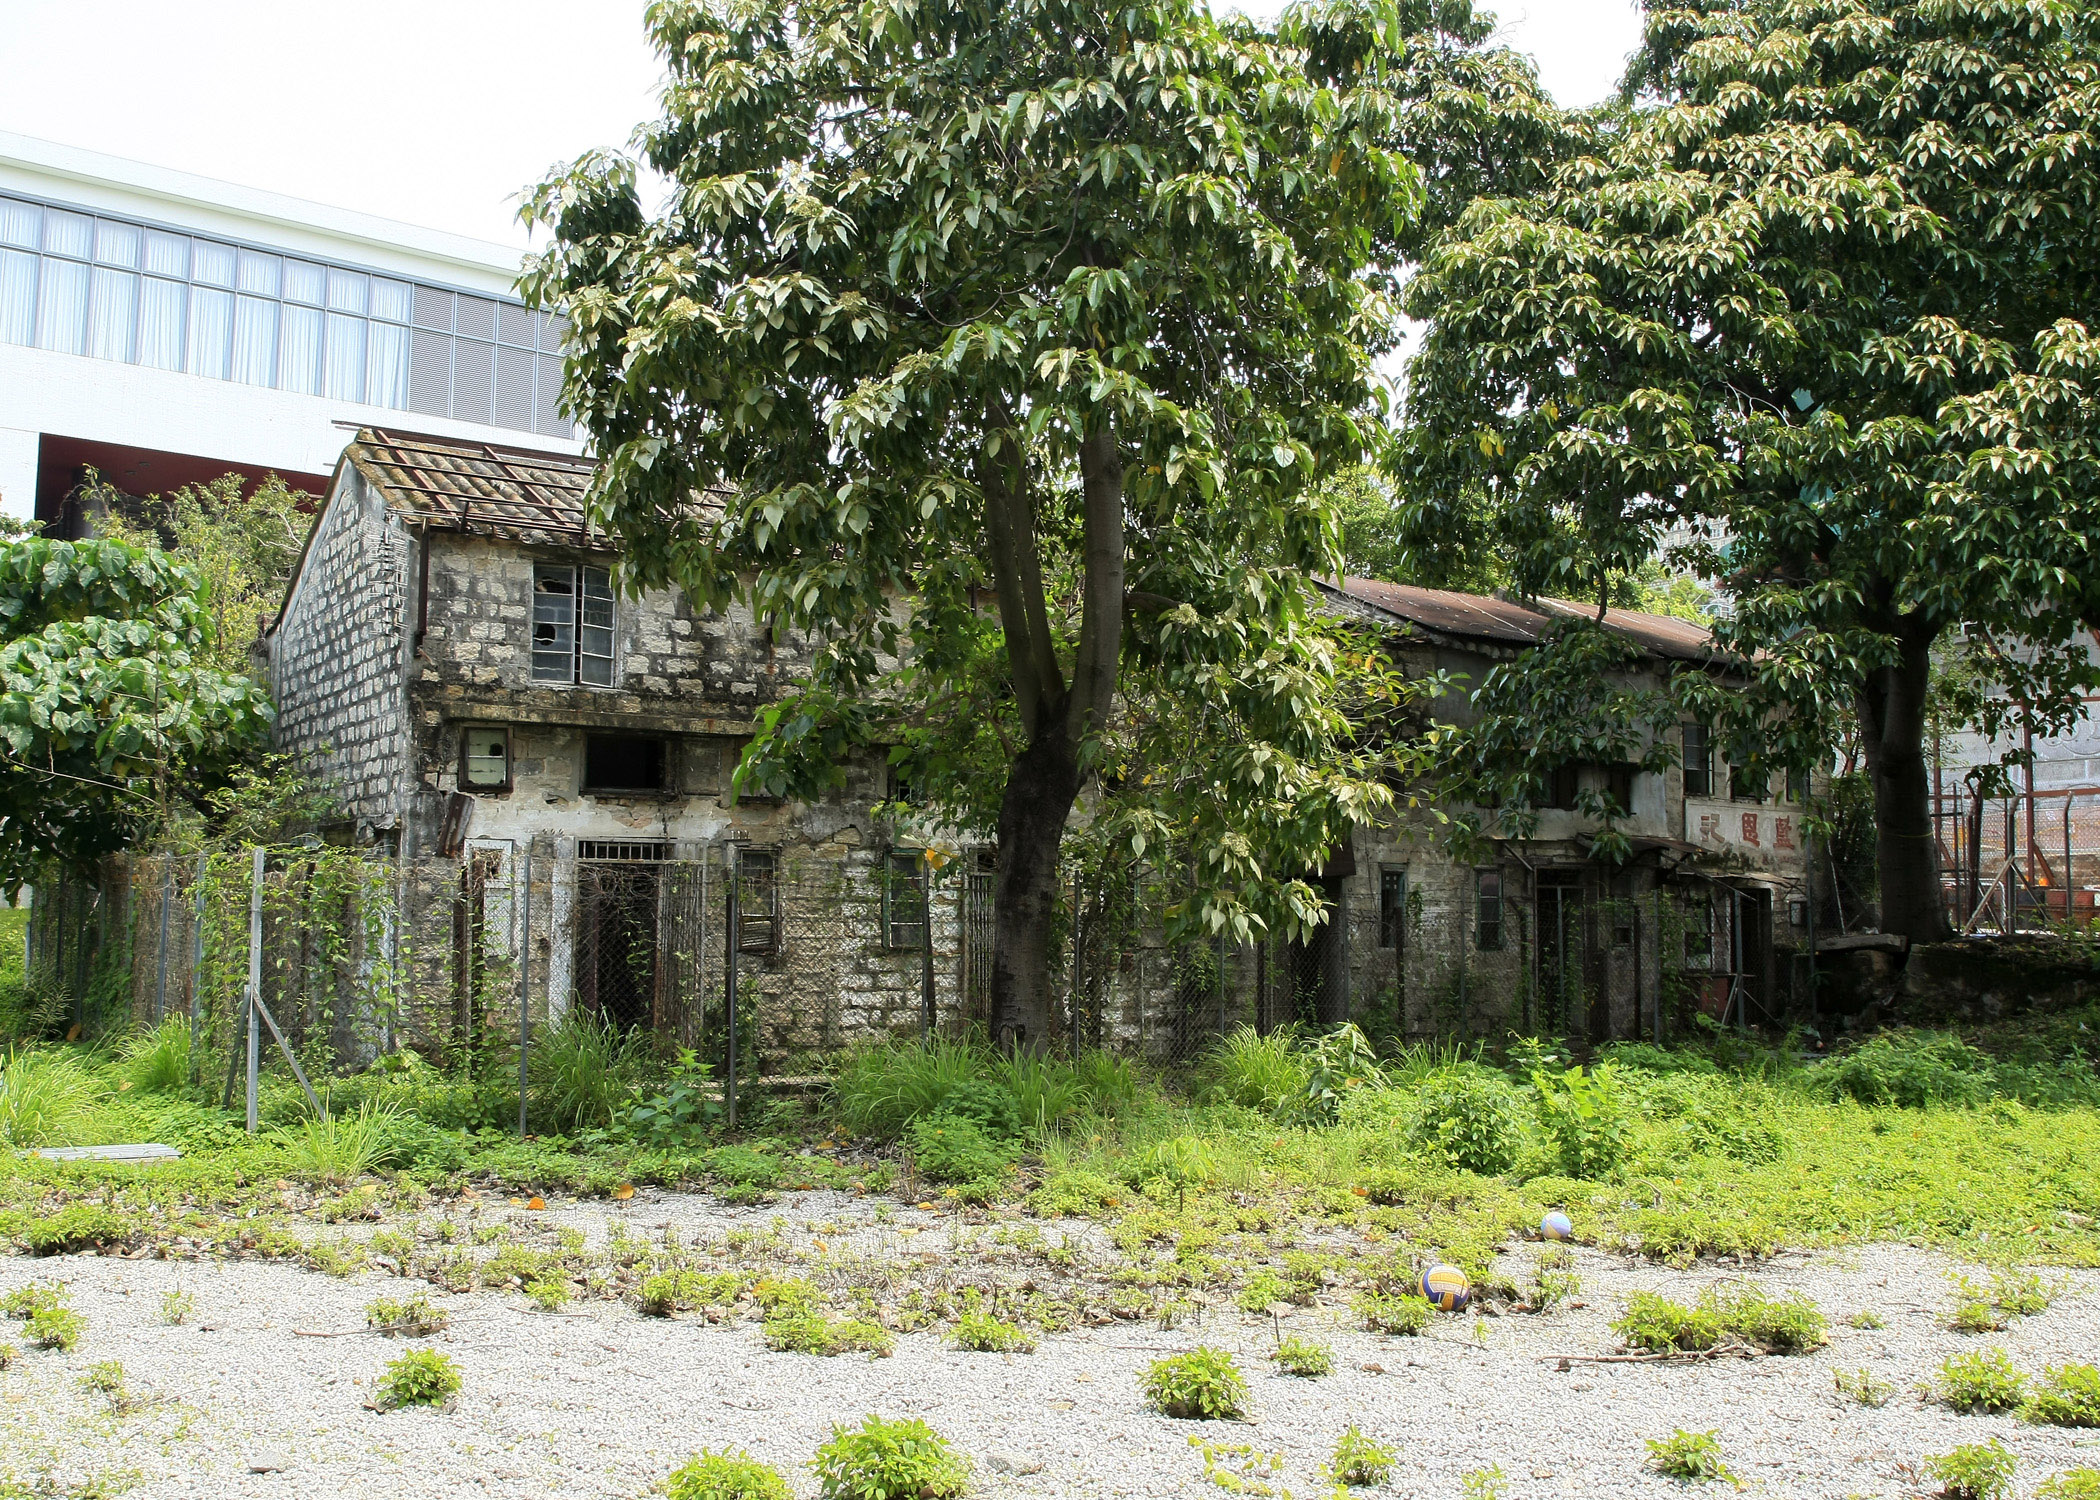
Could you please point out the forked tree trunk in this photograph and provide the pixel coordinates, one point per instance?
(1906, 849)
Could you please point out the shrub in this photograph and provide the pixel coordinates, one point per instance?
(888, 1461)
(680, 1115)
(1296, 1356)
(76, 1227)
(711, 1475)
(1693, 1457)
(1654, 1322)
(105, 1378)
(1862, 1386)
(176, 1306)
(1359, 1462)
(1587, 1114)
(1909, 1069)
(1263, 1290)
(549, 1293)
(954, 1148)
(42, 1094)
(419, 1377)
(2070, 1484)
(2067, 1396)
(158, 1061)
(1984, 1381)
(412, 1315)
(1395, 1312)
(28, 1301)
(981, 1333)
(1470, 1118)
(1203, 1384)
(1974, 1471)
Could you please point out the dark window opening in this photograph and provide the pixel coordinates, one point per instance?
(1747, 785)
(623, 763)
(1563, 784)
(1487, 902)
(1618, 787)
(1797, 786)
(1392, 909)
(1698, 761)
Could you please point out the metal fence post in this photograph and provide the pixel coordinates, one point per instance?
(525, 991)
(197, 974)
(160, 972)
(733, 934)
(255, 890)
(931, 1014)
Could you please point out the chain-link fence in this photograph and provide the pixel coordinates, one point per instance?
(2019, 859)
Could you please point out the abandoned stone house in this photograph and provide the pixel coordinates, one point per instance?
(547, 761)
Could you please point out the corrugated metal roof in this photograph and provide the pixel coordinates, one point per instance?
(1483, 618)
(491, 489)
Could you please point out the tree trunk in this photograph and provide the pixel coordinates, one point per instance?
(1892, 732)
(1041, 786)
(1044, 780)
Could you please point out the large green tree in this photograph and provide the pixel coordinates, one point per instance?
(1003, 346)
(1814, 301)
(111, 713)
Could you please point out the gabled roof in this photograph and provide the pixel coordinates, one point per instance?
(1479, 617)
(490, 489)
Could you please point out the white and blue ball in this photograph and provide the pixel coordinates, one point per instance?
(1557, 1226)
(1446, 1288)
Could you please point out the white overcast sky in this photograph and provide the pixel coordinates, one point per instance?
(437, 112)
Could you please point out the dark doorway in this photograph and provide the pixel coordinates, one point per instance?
(1753, 949)
(617, 975)
(1563, 952)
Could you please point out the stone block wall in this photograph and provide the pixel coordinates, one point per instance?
(336, 660)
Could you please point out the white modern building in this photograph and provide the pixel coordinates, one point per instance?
(162, 329)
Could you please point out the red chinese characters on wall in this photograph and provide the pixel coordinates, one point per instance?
(1710, 828)
(1750, 829)
(1782, 833)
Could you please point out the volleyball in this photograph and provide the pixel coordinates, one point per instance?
(1446, 1287)
(1557, 1226)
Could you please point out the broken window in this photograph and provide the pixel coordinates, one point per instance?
(485, 760)
(1698, 761)
(623, 763)
(572, 624)
(904, 900)
(1487, 903)
(758, 900)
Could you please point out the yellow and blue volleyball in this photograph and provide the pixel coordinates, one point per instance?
(1446, 1287)
(1557, 1226)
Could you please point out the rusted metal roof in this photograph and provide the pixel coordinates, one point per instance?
(490, 489)
(1480, 617)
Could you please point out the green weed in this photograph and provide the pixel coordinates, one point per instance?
(419, 1377)
(1984, 1381)
(1553, 1280)
(1296, 1356)
(1395, 1313)
(2067, 1396)
(54, 1328)
(1974, 1471)
(1777, 1325)
(725, 1475)
(1471, 1118)
(176, 1306)
(76, 1227)
(1260, 1292)
(888, 1460)
(413, 1315)
(1359, 1462)
(1690, 1457)
(343, 1146)
(2070, 1484)
(813, 1332)
(1204, 1384)
(158, 1061)
(1489, 1483)
(1862, 1386)
(981, 1333)
(43, 1096)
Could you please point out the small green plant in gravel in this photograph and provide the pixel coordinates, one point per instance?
(54, 1328)
(337, 1258)
(889, 1460)
(1204, 1384)
(1489, 1483)
(1296, 1356)
(982, 1333)
(1974, 1471)
(176, 1306)
(813, 1333)
(77, 1227)
(1553, 1280)
(2070, 1484)
(1691, 1457)
(28, 1301)
(2067, 1396)
(1866, 1319)
(1778, 1325)
(8, 1355)
(392, 1245)
(413, 1315)
(549, 1293)
(682, 1289)
(2021, 1293)
(1862, 1386)
(1360, 1462)
(418, 1377)
(1262, 1291)
(2012, 1294)
(1984, 1381)
(1394, 1312)
(725, 1475)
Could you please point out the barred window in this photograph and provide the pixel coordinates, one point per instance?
(1392, 908)
(904, 900)
(572, 624)
(758, 900)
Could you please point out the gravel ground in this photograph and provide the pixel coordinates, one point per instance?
(599, 1401)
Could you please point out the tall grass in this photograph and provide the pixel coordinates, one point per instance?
(881, 1087)
(582, 1072)
(158, 1061)
(342, 1146)
(43, 1095)
(1269, 1073)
